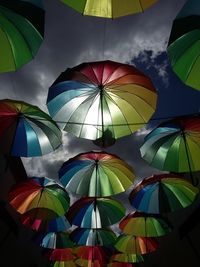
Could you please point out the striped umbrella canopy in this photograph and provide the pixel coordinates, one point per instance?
(39, 192)
(143, 224)
(135, 244)
(109, 9)
(92, 256)
(127, 258)
(163, 193)
(183, 47)
(55, 240)
(96, 174)
(93, 213)
(65, 254)
(93, 237)
(38, 220)
(26, 131)
(21, 32)
(99, 99)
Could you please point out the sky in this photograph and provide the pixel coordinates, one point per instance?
(70, 39)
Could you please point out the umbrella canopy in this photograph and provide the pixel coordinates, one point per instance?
(93, 237)
(65, 254)
(96, 174)
(97, 99)
(163, 193)
(109, 9)
(92, 255)
(21, 32)
(136, 245)
(142, 224)
(183, 48)
(26, 131)
(39, 192)
(93, 213)
(127, 258)
(55, 240)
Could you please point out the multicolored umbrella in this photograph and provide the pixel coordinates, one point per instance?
(183, 47)
(92, 256)
(93, 213)
(39, 192)
(65, 254)
(26, 131)
(38, 220)
(109, 9)
(135, 244)
(55, 240)
(21, 32)
(97, 98)
(142, 224)
(127, 258)
(163, 193)
(174, 145)
(96, 174)
(93, 237)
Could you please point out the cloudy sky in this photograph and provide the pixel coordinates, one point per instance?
(71, 39)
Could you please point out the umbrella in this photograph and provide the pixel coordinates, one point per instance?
(39, 192)
(38, 220)
(26, 131)
(21, 32)
(95, 98)
(174, 145)
(163, 193)
(142, 224)
(65, 254)
(93, 237)
(96, 174)
(109, 9)
(92, 256)
(127, 258)
(55, 240)
(92, 212)
(183, 47)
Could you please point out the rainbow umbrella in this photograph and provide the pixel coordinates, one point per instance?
(135, 244)
(39, 192)
(38, 220)
(65, 254)
(127, 258)
(55, 240)
(183, 47)
(96, 174)
(21, 32)
(97, 98)
(93, 213)
(142, 224)
(163, 193)
(109, 9)
(93, 237)
(26, 131)
(92, 256)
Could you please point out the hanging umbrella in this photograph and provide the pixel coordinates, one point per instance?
(127, 258)
(109, 9)
(39, 192)
(142, 224)
(95, 98)
(163, 193)
(26, 131)
(93, 237)
(174, 145)
(92, 256)
(21, 32)
(65, 254)
(38, 220)
(96, 174)
(53, 240)
(135, 244)
(183, 47)
(93, 213)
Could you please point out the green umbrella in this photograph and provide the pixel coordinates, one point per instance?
(21, 32)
